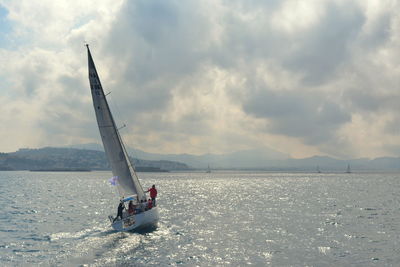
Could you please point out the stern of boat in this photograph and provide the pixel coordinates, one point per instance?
(137, 221)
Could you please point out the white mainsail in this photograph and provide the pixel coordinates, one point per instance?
(128, 182)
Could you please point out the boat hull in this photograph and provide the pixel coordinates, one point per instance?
(138, 221)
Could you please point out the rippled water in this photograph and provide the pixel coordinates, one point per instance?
(217, 219)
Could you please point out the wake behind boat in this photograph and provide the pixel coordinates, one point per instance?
(125, 177)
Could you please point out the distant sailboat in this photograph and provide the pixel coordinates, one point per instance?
(348, 169)
(124, 173)
(318, 170)
(208, 169)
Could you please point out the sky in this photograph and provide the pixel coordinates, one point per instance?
(305, 78)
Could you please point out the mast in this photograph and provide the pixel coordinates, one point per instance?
(128, 182)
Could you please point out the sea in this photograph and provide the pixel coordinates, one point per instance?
(226, 218)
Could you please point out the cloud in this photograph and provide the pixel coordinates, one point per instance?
(304, 115)
(325, 46)
(210, 76)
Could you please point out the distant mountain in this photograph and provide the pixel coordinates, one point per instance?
(239, 159)
(267, 159)
(88, 146)
(94, 159)
(50, 158)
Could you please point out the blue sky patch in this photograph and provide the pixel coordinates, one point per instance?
(5, 26)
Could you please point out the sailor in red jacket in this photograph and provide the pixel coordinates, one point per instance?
(153, 194)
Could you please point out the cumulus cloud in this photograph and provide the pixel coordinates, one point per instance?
(213, 76)
(298, 114)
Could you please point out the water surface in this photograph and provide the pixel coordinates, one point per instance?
(207, 219)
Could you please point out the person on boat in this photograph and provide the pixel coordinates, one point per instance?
(131, 208)
(138, 210)
(149, 204)
(142, 205)
(121, 207)
(153, 194)
(138, 207)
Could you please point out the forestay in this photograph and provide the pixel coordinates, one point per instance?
(121, 166)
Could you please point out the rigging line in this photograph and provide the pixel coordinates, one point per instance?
(123, 126)
(123, 118)
(139, 186)
(118, 113)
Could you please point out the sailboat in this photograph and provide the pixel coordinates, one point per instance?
(318, 169)
(127, 181)
(348, 169)
(208, 169)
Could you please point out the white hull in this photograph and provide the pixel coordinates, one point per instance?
(137, 221)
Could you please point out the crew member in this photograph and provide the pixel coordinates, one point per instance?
(153, 194)
(121, 207)
(131, 208)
